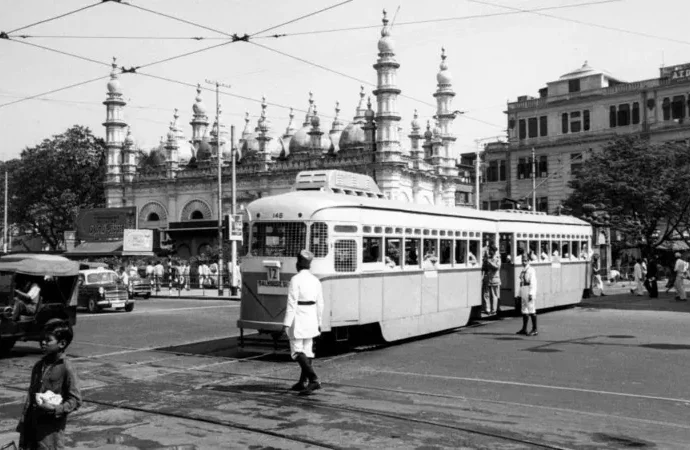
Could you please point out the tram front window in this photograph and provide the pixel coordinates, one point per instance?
(371, 249)
(474, 251)
(282, 239)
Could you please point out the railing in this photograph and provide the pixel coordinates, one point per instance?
(187, 285)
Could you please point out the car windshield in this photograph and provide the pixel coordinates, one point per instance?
(101, 278)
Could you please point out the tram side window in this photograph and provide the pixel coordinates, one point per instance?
(521, 249)
(584, 253)
(412, 252)
(545, 251)
(430, 248)
(565, 249)
(504, 247)
(460, 252)
(446, 250)
(278, 238)
(345, 255)
(533, 250)
(393, 252)
(575, 249)
(474, 251)
(371, 249)
(318, 240)
(555, 248)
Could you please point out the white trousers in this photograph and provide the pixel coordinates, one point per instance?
(301, 346)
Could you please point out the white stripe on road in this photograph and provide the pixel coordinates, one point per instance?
(543, 386)
(154, 311)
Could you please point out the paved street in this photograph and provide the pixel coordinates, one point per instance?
(611, 373)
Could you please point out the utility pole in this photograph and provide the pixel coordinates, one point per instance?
(476, 175)
(534, 181)
(233, 243)
(4, 228)
(219, 155)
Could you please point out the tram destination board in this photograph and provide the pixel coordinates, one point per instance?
(272, 287)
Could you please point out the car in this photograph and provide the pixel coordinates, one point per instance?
(101, 288)
(139, 287)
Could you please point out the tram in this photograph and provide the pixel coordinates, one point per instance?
(397, 269)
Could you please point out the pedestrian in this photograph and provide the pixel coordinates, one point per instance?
(637, 273)
(302, 321)
(597, 283)
(492, 281)
(680, 268)
(150, 271)
(528, 295)
(184, 279)
(213, 268)
(202, 269)
(234, 278)
(42, 424)
(158, 273)
(650, 280)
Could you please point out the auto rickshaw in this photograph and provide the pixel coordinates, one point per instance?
(56, 276)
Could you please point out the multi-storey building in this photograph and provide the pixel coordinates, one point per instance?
(581, 111)
(181, 196)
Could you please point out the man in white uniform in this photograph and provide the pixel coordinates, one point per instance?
(637, 273)
(302, 321)
(680, 268)
(528, 294)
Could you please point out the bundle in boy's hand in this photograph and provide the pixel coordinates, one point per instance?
(49, 398)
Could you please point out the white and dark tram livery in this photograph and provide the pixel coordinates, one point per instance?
(397, 268)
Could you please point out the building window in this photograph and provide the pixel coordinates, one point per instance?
(666, 108)
(485, 206)
(564, 123)
(492, 171)
(623, 115)
(585, 120)
(575, 122)
(636, 113)
(543, 204)
(575, 163)
(612, 116)
(493, 205)
(543, 166)
(574, 85)
(522, 129)
(532, 127)
(502, 170)
(678, 107)
(462, 198)
(543, 126)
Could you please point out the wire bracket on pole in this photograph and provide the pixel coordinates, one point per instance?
(4, 35)
(236, 37)
(130, 70)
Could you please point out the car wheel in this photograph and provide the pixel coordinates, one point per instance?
(129, 307)
(93, 306)
(146, 296)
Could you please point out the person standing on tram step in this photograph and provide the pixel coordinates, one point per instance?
(302, 321)
(680, 268)
(492, 281)
(637, 273)
(597, 283)
(528, 295)
(650, 281)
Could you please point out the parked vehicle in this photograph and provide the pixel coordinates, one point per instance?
(140, 287)
(57, 278)
(101, 288)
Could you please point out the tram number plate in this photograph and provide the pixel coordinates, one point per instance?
(273, 273)
(270, 287)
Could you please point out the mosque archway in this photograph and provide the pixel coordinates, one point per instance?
(196, 210)
(153, 212)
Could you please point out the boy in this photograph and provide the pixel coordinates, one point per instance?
(43, 426)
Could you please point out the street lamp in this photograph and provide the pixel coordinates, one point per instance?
(218, 84)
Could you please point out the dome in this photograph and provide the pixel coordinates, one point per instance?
(416, 126)
(386, 44)
(204, 151)
(300, 140)
(585, 71)
(352, 136)
(114, 86)
(250, 146)
(129, 141)
(444, 76)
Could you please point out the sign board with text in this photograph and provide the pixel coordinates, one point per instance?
(105, 224)
(676, 73)
(137, 241)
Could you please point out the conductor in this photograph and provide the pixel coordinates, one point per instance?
(302, 321)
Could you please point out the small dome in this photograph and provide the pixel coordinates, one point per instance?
(444, 76)
(428, 134)
(204, 151)
(315, 121)
(301, 140)
(199, 108)
(114, 83)
(250, 146)
(352, 136)
(416, 126)
(386, 44)
(129, 141)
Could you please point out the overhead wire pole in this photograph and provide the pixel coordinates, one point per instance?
(220, 185)
(233, 210)
(534, 181)
(4, 228)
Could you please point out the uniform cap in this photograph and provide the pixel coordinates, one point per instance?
(306, 255)
(677, 255)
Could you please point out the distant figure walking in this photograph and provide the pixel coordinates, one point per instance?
(637, 273)
(302, 321)
(650, 281)
(597, 284)
(528, 295)
(680, 268)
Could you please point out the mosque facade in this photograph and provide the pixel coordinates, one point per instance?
(180, 195)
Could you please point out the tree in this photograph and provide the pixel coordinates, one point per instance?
(640, 188)
(52, 181)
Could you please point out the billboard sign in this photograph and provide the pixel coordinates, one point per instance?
(676, 73)
(105, 224)
(137, 241)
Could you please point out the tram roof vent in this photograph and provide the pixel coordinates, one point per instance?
(524, 211)
(338, 182)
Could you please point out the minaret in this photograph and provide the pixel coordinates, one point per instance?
(428, 135)
(199, 122)
(310, 110)
(315, 134)
(336, 129)
(445, 115)
(219, 137)
(114, 137)
(247, 129)
(361, 106)
(263, 137)
(416, 152)
(290, 129)
(129, 164)
(172, 157)
(387, 118)
(369, 128)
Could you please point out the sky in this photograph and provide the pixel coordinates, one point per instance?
(494, 57)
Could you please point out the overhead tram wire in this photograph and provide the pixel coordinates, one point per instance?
(300, 18)
(582, 22)
(142, 38)
(444, 19)
(43, 47)
(57, 17)
(359, 80)
(81, 83)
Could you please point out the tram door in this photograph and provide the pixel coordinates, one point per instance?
(505, 248)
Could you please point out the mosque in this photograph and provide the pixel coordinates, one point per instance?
(180, 195)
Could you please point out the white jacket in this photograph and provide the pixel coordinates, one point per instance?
(304, 320)
(528, 282)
